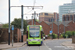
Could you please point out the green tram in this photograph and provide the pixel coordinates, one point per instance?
(34, 35)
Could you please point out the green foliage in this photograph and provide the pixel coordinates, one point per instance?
(43, 34)
(61, 36)
(68, 33)
(73, 33)
(49, 35)
(54, 35)
(5, 25)
(17, 24)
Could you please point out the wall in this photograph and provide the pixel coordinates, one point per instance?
(24, 37)
(4, 35)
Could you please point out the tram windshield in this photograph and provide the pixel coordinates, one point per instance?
(34, 31)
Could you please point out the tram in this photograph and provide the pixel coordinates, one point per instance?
(34, 35)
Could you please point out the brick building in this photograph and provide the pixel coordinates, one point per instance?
(69, 17)
(56, 17)
(47, 17)
(47, 26)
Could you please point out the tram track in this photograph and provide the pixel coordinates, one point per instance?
(33, 48)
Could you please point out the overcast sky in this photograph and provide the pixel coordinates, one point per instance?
(49, 6)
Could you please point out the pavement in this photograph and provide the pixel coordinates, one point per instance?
(6, 46)
(69, 44)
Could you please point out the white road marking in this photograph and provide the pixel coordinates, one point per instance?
(59, 46)
(47, 47)
(69, 47)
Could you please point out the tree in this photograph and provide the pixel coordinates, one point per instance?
(17, 24)
(5, 25)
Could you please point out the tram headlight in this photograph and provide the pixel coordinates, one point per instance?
(29, 39)
(38, 39)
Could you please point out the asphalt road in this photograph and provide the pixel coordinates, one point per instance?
(48, 45)
(57, 44)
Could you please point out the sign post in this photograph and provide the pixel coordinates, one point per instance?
(12, 33)
(51, 33)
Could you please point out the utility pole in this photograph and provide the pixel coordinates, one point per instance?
(32, 20)
(12, 34)
(58, 28)
(26, 17)
(22, 23)
(73, 19)
(52, 27)
(9, 25)
(34, 17)
(64, 26)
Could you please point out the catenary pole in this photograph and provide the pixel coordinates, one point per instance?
(22, 23)
(9, 25)
(52, 27)
(58, 28)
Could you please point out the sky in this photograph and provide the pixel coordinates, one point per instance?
(50, 6)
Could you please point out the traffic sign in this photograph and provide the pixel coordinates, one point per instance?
(51, 32)
(12, 27)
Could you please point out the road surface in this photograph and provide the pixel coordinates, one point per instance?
(47, 45)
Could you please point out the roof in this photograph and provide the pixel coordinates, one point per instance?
(66, 23)
(48, 23)
(28, 21)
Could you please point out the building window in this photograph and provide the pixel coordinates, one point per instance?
(70, 17)
(74, 17)
(64, 18)
(49, 20)
(67, 17)
(46, 13)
